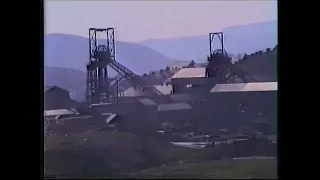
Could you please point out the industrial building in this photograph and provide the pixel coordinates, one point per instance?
(229, 106)
(58, 98)
(191, 80)
(201, 95)
(134, 92)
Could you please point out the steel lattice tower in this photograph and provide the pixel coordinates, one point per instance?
(213, 37)
(101, 53)
(102, 56)
(220, 64)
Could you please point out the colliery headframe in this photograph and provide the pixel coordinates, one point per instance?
(101, 87)
(213, 37)
(220, 65)
(102, 55)
(209, 96)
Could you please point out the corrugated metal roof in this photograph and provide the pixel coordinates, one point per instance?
(243, 87)
(190, 73)
(58, 112)
(228, 87)
(147, 101)
(164, 89)
(267, 86)
(173, 106)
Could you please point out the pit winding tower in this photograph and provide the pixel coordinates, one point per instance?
(101, 56)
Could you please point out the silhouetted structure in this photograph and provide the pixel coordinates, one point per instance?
(102, 54)
(217, 59)
(220, 65)
(97, 71)
(58, 98)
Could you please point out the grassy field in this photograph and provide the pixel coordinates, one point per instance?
(105, 153)
(118, 154)
(243, 169)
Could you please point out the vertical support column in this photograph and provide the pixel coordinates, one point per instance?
(101, 53)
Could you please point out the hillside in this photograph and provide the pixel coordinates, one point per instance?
(71, 51)
(222, 169)
(238, 39)
(98, 154)
(124, 155)
(75, 80)
(69, 79)
(262, 65)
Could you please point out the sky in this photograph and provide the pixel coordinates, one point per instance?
(141, 20)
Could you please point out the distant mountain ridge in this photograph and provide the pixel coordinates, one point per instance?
(237, 39)
(66, 55)
(75, 80)
(71, 51)
(69, 79)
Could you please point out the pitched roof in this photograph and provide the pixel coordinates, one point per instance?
(58, 112)
(46, 88)
(242, 87)
(190, 73)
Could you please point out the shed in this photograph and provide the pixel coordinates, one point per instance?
(58, 112)
(58, 98)
(232, 105)
(189, 80)
(56, 90)
(190, 73)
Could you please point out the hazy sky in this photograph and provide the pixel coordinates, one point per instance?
(141, 20)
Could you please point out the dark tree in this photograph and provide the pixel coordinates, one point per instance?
(244, 57)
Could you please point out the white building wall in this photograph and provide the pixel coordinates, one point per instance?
(130, 92)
